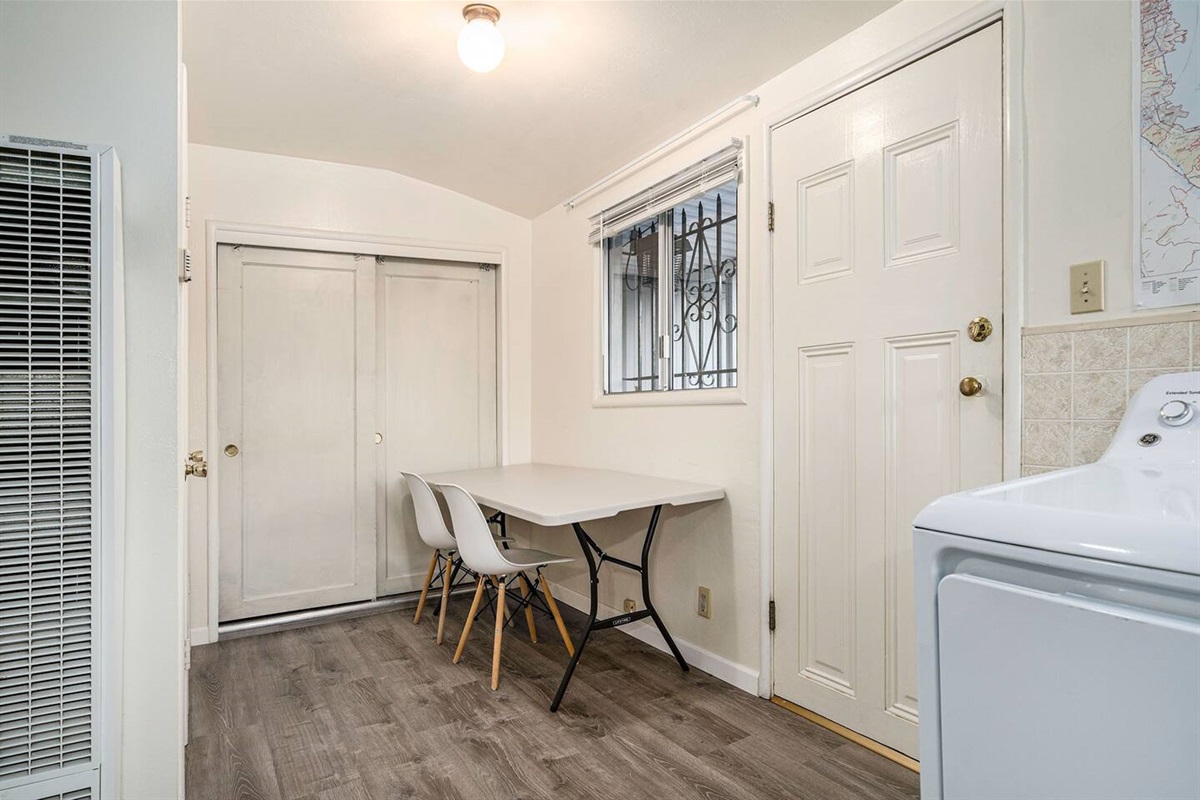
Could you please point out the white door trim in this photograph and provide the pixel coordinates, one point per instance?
(970, 21)
(219, 232)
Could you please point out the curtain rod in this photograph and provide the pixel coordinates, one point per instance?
(739, 105)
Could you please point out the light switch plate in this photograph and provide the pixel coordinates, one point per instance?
(1087, 287)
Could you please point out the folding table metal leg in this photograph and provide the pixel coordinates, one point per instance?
(589, 546)
(594, 576)
(646, 589)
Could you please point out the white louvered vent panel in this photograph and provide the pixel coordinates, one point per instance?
(75, 794)
(46, 524)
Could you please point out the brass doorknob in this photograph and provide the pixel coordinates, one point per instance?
(979, 329)
(969, 386)
(231, 450)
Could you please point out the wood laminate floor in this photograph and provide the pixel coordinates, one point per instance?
(372, 709)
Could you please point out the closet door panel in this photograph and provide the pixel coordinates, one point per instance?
(437, 351)
(295, 459)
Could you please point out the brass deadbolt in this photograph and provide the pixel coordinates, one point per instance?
(231, 450)
(969, 386)
(979, 329)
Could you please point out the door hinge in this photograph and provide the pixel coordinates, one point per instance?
(486, 267)
(771, 616)
(196, 465)
(185, 265)
(771, 217)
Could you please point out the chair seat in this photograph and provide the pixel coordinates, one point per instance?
(532, 558)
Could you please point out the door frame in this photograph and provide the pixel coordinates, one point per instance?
(218, 232)
(1009, 14)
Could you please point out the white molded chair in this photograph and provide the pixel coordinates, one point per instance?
(480, 554)
(431, 527)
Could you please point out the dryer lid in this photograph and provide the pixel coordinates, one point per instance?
(1143, 516)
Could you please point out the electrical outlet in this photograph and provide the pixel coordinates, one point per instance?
(704, 603)
(630, 605)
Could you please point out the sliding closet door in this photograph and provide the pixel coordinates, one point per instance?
(437, 369)
(296, 414)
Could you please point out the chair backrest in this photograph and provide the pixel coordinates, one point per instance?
(476, 546)
(431, 526)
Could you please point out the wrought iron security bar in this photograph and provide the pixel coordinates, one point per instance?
(699, 340)
(704, 296)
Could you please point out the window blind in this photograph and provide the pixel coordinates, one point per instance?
(47, 536)
(721, 166)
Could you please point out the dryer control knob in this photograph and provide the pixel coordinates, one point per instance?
(1176, 413)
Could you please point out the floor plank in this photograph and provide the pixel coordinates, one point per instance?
(373, 709)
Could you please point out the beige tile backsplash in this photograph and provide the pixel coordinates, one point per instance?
(1076, 385)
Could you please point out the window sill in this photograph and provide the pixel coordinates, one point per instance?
(682, 397)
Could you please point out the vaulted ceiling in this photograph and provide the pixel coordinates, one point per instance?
(585, 86)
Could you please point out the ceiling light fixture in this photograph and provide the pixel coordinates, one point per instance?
(480, 43)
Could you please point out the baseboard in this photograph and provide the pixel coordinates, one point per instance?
(199, 636)
(721, 668)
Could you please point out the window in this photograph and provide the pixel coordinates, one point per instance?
(671, 296)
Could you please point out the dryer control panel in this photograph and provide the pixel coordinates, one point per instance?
(1162, 424)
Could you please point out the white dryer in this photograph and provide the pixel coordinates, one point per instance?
(1058, 622)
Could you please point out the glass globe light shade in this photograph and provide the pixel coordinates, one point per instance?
(481, 45)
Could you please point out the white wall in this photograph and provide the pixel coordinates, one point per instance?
(1078, 93)
(239, 186)
(1077, 83)
(105, 73)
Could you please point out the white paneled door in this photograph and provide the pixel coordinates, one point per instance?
(295, 461)
(437, 393)
(887, 245)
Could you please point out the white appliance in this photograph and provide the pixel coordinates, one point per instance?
(62, 442)
(1058, 622)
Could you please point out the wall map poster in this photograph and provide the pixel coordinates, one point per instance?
(1168, 158)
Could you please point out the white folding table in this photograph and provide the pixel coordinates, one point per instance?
(550, 495)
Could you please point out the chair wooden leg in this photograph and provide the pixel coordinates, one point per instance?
(507, 616)
(445, 598)
(528, 610)
(499, 635)
(425, 587)
(462, 640)
(558, 620)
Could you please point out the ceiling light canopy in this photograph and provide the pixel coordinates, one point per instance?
(480, 43)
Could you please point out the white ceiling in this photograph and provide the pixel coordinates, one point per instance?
(584, 87)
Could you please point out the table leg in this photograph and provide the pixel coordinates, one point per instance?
(590, 551)
(646, 589)
(594, 576)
